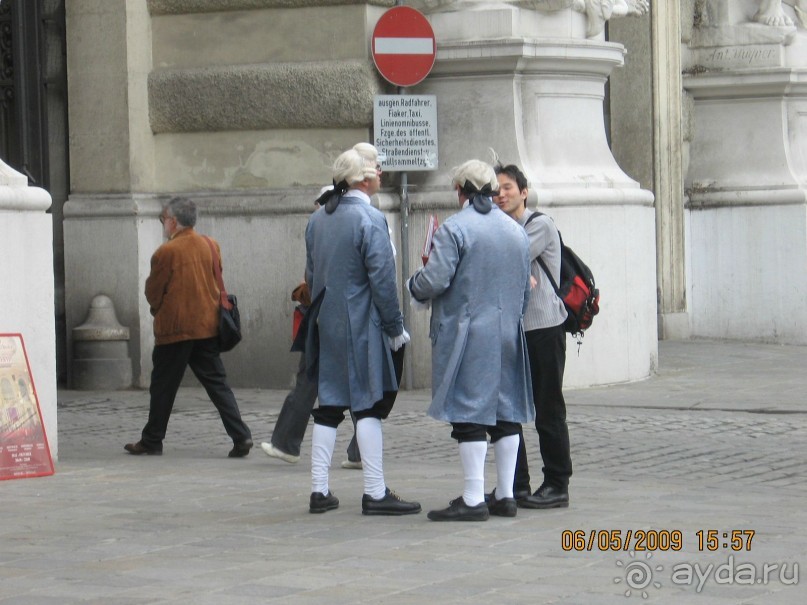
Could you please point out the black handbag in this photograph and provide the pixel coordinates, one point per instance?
(229, 316)
(229, 324)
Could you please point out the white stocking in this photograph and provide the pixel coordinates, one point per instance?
(472, 455)
(371, 446)
(506, 450)
(323, 440)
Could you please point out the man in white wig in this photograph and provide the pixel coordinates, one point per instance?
(353, 326)
(478, 281)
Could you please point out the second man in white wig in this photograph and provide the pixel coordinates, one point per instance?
(478, 281)
(357, 320)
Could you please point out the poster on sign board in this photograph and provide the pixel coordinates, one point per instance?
(24, 450)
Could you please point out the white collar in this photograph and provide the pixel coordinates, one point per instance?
(358, 193)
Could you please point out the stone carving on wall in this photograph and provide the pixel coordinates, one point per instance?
(771, 13)
(767, 25)
(717, 13)
(597, 11)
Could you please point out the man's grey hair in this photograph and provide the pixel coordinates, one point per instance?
(182, 209)
(477, 173)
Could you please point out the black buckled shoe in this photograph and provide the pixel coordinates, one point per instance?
(546, 496)
(459, 511)
(391, 504)
(320, 504)
(504, 507)
(136, 449)
(240, 448)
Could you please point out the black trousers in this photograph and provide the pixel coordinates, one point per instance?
(169, 363)
(332, 416)
(469, 431)
(292, 421)
(547, 352)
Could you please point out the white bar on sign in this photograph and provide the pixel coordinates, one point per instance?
(404, 46)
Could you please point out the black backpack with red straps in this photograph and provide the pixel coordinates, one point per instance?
(577, 289)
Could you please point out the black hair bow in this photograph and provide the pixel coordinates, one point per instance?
(480, 199)
(331, 198)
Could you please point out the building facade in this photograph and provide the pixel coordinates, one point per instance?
(668, 141)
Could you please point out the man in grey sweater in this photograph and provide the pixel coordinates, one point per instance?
(546, 346)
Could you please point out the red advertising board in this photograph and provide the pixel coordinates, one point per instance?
(24, 450)
(404, 47)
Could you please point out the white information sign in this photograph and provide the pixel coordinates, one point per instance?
(406, 132)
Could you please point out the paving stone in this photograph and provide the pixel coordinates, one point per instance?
(716, 440)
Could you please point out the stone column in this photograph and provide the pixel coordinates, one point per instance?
(110, 218)
(530, 85)
(668, 177)
(27, 292)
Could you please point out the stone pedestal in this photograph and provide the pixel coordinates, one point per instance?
(27, 292)
(537, 100)
(747, 184)
(112, 238)
(101, 350)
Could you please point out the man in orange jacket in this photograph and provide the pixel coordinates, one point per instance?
(184, 297)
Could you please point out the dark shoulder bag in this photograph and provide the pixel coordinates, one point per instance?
(229, 317)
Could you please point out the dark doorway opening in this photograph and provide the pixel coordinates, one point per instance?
(33, 118)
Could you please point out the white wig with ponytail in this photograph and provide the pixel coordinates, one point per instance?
(351, 167)
(477, 173)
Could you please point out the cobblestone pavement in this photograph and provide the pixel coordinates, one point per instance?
(715, 441)
(738, 448)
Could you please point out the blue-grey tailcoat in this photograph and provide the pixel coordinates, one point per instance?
(478, 281)
(349, 254)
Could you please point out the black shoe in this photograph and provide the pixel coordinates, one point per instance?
(546, 496)
(505, 507)
(518, 494)
(459, 511)
(136, 449)
(240, 449)
(390, 504)
(320, 504)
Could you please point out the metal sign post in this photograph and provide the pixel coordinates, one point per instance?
(404, 50)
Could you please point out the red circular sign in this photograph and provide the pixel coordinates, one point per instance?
(404, 47)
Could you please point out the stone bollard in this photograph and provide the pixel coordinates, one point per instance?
(101, 350)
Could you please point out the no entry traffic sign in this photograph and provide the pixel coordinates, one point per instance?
(403, 46)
